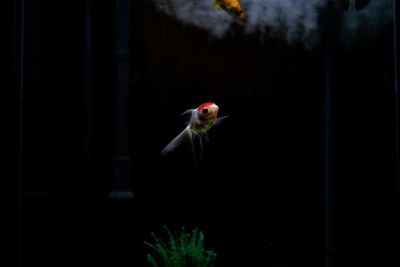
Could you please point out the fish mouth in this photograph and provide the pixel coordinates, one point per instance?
(214, 108)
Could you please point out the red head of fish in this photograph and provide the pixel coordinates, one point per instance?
(207, 111)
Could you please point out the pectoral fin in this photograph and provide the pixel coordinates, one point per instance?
(220, 120)
(188, 114)
(184, 136)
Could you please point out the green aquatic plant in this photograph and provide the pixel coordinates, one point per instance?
(181, 250)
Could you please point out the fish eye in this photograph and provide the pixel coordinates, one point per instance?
(205, 110)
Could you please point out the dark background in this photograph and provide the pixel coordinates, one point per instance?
(258, 195)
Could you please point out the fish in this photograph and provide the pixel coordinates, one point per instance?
(358, 4)
(202, 119)
(232, 7)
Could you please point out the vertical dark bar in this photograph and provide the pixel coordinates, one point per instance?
(88, 122)
(328, 209)
(121, 165)
(18, 80)
(35, 70)
(396, 21)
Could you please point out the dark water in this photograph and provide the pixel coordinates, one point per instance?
(259, 193)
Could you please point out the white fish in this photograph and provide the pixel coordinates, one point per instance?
(202, 119)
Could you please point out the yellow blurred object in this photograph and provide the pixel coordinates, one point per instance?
(232, 7)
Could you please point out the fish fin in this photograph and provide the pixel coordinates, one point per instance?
(204, 143)
(201, 148)
(219, 120)
(184, 136)
(188, 114)
(206, 139)
(192, 148)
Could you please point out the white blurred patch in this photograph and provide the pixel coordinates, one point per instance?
(198, 13)
(295, 20)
